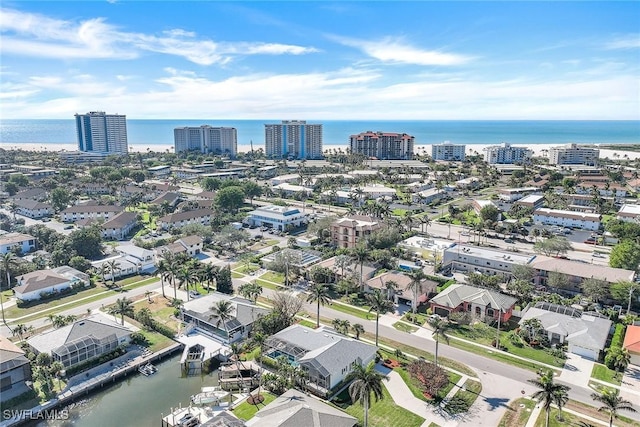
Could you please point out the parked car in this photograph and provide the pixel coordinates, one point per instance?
(509, 241)
(590, 241)
(194, 294)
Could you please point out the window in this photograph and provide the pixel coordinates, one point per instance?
(478, 311)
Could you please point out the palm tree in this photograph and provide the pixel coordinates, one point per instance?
(425, 222)
(560, 398)
(360, 254)
(222, 311)
(250, 291)
(364, 382)
(440, 328)
(548, 391)
(113, 266)
(380, 305)
(390, 286)
(357, 329)
(19, 331)
(8, 260)
(415, 286)
(162, 271)
(209, 274)
(612, 403)
(319, 293)
(123, 307)
(186, 275)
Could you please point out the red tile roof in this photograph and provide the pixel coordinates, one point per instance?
(632, 339)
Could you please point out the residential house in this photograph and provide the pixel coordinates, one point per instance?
(428, 196)
(350, 269)
(468, 183)
(193, 244)
(17, 241)
(403, 295)
(576, 272)
(180, 219)
(119, 227)
(481, 303)
(90, 211)
(32, 286)
(33, 209)
(143, 258)
(282, 218)
(325, 356)
(564, 218)
(302, 258)
(632, 344)
(427, 248)
(585, 333)
(295, 409)
(348, 231)
(15, 370)
(478, 259)
(198, 316)
(81, 341)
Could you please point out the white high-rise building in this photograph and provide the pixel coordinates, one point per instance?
(505, 154)
(102, 133)
(448, 151)
(383, 145)
(293, 139)
(573, 154)
(206, 139)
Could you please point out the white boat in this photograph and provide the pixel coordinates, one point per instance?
(209, 395)
(147, 369)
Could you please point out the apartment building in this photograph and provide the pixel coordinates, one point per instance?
(24, 242)
(102, 133)
(206, 139)
(506, 154)
(383, 145)
(573, 154)
(347, 232)
(282, 218)
(448, 151)
(293, 139)
(564, 218)
(90, 211)
(476, 259)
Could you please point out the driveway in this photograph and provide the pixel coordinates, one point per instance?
(577, 370)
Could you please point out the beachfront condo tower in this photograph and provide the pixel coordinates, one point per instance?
(573, 154)
(448, 151)
(383, 145)
(99, 132)
(293, 139)
(506, 154)
(206, 139)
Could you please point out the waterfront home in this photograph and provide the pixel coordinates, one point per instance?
(295, 409)
(33, 209)
(90, 210)
(19, 242)
(81, 341)
(198, 316)
(119, 227)
(15, 370)
(33, 286)
(402, 294)
(585, 333)
(180, 219)
(350, 230)
(281, 218)
(480, 303)
(326, 357)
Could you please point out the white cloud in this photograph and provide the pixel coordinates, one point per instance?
(395, 50)
(631, 41)
(40, 36)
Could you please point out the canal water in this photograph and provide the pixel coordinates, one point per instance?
(136, 401)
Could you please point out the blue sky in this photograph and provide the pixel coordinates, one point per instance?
(321, 60)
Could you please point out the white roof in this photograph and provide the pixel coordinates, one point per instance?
(532, 198)
(484, 253)
(630, 209)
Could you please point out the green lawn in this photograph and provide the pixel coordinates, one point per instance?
(245, 411)
(235, 275)
(266, 284)
(307, 323)
(384, 413)
(467, 396)
(246, 269)
(401, 326)
(415, 386)
(568, 419)
(273, 276)
(156, 341)
(601, 372)
(353, 311)
(517, 415)
(5, 295)
(417, 318)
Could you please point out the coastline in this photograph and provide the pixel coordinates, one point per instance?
(538, 149)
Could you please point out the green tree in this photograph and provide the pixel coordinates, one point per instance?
(624, 292)
(357, 329)
(144, 316)
(252, 190)
(548, 391)
(522, 289)
(11, 188)
(625, 254)
(80, 263)
(210, 183)
(319, 293)
(380, 305)
(250, 291)
(553, 246)
(229, 199)
(224, 284)
(60, 198)
(612, 403)
(138, 176)
(596, 290)
(19, 179)
(365, 382)
(440, 328)
(360, 254)
(222, 312)
(123, 307)
(86, 242)
(489, 213)
(415, 286)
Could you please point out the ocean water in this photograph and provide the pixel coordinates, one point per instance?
(337, 132)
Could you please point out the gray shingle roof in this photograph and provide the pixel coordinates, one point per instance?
(245, 313)
(456, 294)
(39, 280)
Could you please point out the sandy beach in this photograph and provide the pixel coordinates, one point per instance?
(538, 149)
